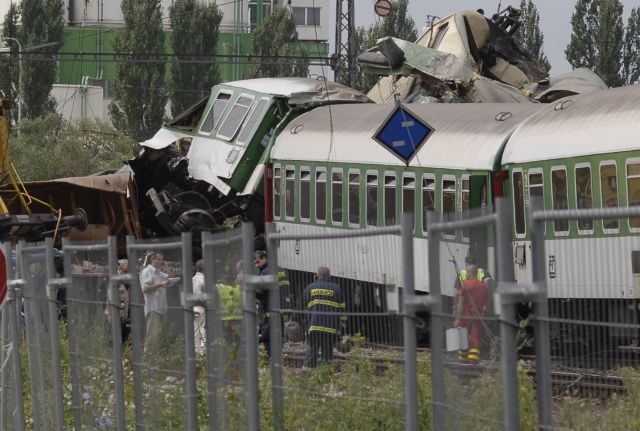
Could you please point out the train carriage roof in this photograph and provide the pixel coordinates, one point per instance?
(606, 121)
(301, 90)
(466, 136)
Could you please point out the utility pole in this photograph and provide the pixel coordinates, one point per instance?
(237, 38)
(344, 59)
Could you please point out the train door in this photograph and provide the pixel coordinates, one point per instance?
(474, 202)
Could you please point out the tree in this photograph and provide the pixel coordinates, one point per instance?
(529, 35)
(398, 24)
(139, 96)
(41, 152)
(41, 23)
(631, 49)
(277, 37)
(597, 38)
(195, 28)
(9, 67)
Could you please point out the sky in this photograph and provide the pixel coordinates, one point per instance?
(555, 19)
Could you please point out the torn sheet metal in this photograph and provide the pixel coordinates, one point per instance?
(579, 81)
(466, 57)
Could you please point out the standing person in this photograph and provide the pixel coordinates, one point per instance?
(199, 332)
(154, 282)
(231, 313)
(471, 303)
(321, 298)
(123, 302)
(264, 307)
(264, 337)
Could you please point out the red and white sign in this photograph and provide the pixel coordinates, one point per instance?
(383, 8)
(3, 277)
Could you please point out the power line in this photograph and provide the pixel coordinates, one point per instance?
(175, 58)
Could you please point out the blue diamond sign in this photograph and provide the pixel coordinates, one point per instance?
(403, 133)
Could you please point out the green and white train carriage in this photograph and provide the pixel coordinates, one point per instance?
(583, 152)
(333, 169)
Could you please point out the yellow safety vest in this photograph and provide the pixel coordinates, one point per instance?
(464, 275)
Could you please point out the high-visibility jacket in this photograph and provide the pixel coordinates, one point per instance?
(230, 301)
(324, 297)
(464, 275)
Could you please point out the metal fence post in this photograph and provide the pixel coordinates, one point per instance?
(52, 297)
(32, 324)
(73, 348)
(437, 329)
(137, 330)
(190, 351)
(409, 327)
(116, 331)
(4, 340)
(250, 328)
(508, 325)
(275, 332)
(213, 325)
(541, 314)
(14, 306)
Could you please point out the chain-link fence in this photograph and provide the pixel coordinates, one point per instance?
(324, 329)
(470, 365)
(336, 302)
(586, 263)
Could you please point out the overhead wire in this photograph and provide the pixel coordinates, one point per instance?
(326, 87)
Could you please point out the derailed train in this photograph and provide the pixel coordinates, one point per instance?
(325, 160)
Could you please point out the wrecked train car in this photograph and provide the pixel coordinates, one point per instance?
(203, 169)
(92, 208)
(466, 57)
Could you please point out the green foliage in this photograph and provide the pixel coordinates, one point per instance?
(597, 38)
(139, 96)
(277, 37)
(41, 22)
(43, 149)
(195, 27)
(631, 49)
(361, 394)
(398, 24)
(9, 70)
(529, 35)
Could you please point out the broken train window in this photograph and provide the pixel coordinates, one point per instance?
(215, 112)
(237, 114)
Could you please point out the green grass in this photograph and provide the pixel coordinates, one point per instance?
(357, 394)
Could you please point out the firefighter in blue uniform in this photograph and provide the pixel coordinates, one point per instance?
(324, 301)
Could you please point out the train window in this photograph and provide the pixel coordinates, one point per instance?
(305, 193)
(389, 199)
(449, 202)
(253, 121)
(215, 112)
(321, 195)
(428, 199)
(372, 199)
(465, 202)
(518, 202)
(442, 30)
(609, 194)
(559, 196)
(409, 193)
(633, 190)
(235, 118)
(584, 196)
(354, 198)
(336, 196)
(289, 193)
(277, 190)
(536, 184)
